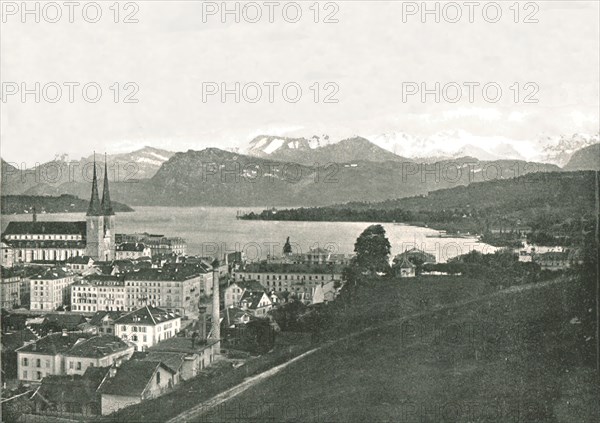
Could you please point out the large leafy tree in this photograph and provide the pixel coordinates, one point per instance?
(372, 250)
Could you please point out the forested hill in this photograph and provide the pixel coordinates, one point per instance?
(15, 204)
(538, 200)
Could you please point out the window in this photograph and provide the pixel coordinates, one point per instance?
(38, 363)
(79, 365)
(70, 364)
(25, 361)
(47, 363)
(38, 375)
(25, 374)
(158, 378)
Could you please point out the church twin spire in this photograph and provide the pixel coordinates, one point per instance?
(96, 207)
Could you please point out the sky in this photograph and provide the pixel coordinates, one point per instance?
(368, 61)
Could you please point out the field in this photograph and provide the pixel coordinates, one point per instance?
(513, 358)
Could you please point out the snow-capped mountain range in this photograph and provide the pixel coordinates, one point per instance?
(445, 145)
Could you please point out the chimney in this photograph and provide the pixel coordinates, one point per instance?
(112, 372)
(202, 323)
(64, 332)
(216, 324)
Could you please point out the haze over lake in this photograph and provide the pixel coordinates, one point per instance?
(209, 230)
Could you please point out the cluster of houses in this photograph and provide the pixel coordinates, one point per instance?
(117, 359)
(549, 258)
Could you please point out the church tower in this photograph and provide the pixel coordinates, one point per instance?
(109, 218)
(94, 223)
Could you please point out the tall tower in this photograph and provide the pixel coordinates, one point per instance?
(109, 219)
(95, 222)
(216, 314)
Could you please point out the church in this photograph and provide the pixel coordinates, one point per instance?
(59, 241)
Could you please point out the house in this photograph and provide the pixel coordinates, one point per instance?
(50, 289)
(72, 394)
(69, 353)
(147, 326)
(234, 292)
(234, 316)
(199, 352)
(416, 256)
(104, 321)
(257, 303)
(79, 264)
(134, 382)
(405, 269)
(10, 290)
(324, 293)
(132, 250)
(553, 260)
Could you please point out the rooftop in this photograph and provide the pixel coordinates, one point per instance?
(46, 228)
(132, 378)
(170, 273)
(50, 274)
(147, 315)
(76, 344)
(131, 246)
(268, 267)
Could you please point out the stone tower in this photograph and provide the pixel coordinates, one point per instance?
(100, 219)
(109, 218)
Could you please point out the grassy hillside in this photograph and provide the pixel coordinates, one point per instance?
(514, 358)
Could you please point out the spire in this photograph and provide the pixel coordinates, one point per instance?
(107, 209)
(94, 207)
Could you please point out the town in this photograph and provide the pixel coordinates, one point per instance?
(94, 321)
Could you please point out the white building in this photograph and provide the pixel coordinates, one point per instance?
(132, 250)
(50, 289)
(69, 353)
(147, 326)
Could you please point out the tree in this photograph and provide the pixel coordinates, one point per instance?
(372, 250)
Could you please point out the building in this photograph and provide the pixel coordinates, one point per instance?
(99, 293)
(104, 321)
(10, 290)
(72, 394)
(404, 268)
(299, 279)
(134, 382)
(314, 256)
(132, 250)
(416, 257)
(257, 303)
(176, 289)
(324, 293)
(234, 292)
(553, 260)
(59, 241)
(147, 326)
(50, 289)
(158, 244)
(7, 255)
(80, 265)
(69, 353)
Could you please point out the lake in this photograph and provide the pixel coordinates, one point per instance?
(215, 230)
